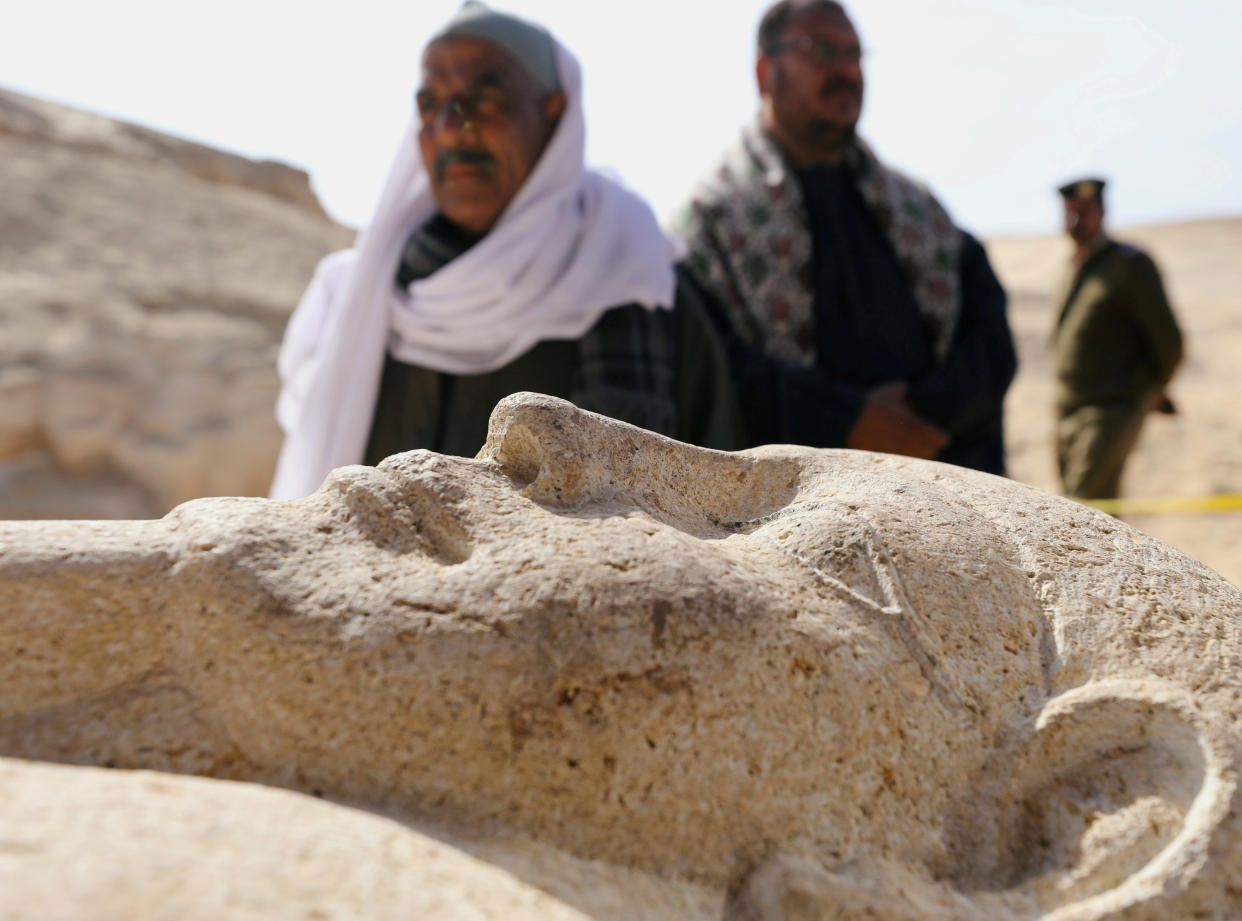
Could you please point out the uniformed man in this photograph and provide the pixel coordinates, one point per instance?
(1117, 345)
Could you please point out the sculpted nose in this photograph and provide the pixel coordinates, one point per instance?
(562, 456)
(544, 444)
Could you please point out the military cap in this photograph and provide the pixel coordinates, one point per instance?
(1083, 189)
(530, 44)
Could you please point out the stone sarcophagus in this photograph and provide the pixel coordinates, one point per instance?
(595, 673)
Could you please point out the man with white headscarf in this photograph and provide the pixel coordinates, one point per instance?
(495, 262)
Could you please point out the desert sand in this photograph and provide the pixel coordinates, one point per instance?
(1195, 453)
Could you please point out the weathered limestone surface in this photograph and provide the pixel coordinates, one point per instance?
(144, 286)
(85, 843)
(782, 684)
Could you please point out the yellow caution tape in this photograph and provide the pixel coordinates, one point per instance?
(1173, 505)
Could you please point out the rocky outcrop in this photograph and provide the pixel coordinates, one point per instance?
(60, 126)
(778, 684)
(144, 285)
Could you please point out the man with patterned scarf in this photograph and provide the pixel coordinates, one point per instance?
(495, 262)
(856, 314)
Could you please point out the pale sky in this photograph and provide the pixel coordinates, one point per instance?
(992, 102)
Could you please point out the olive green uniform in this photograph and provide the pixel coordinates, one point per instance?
(1117, 345)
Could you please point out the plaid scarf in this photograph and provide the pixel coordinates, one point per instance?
(748, 241)
(628, 369)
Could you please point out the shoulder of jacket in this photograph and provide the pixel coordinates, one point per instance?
(1130, 253)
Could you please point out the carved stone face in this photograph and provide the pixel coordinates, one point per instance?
(839, 678)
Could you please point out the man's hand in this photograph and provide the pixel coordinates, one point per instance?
(888, 424)
(1164, 405)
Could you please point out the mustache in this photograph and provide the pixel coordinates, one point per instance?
(448, 158)
(841, 83)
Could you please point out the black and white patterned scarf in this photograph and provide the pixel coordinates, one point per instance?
(749, 243)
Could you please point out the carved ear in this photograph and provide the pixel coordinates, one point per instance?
(1115, 801)
(1111, 813)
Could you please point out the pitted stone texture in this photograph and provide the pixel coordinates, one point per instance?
(816, 683)
(119, 845)
(144, 286)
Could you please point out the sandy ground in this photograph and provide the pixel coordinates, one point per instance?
(1196, 453)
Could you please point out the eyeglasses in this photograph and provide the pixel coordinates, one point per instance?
(467, 109)
(822, 52)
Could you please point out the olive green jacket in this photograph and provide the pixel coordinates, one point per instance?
(1116, 340)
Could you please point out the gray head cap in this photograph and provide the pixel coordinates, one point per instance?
(531, 45)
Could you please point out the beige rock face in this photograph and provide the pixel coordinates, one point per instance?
(118, 845)
(36, 119)
(144, 286)
(780, 684)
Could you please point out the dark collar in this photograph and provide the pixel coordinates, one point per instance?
(432, 247)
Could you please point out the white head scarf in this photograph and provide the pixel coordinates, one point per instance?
(571, 245)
